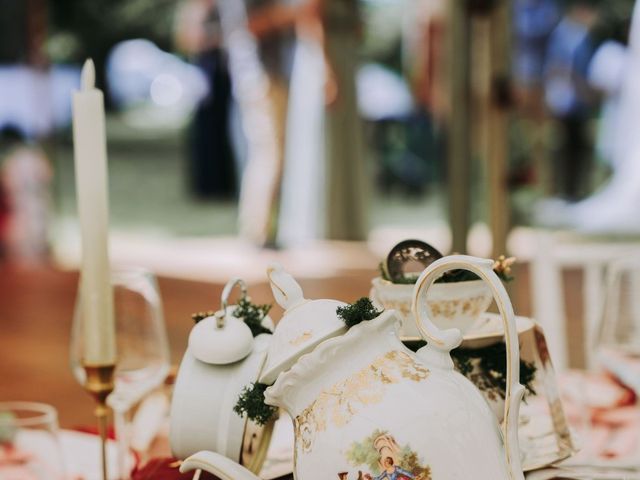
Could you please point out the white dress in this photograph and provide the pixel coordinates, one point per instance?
(302, 198)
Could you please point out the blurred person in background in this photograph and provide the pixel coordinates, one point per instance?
(5, 218)
(212, 171)
(25, 184)
(324, 180)
(533, 23)
(606, 74)
(424, 47)
(257, 36)
(570, 99)
(400, 93)
(272, 23)
(33, 103)
(613, 208)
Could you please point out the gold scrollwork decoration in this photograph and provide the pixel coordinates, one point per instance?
(340, 402)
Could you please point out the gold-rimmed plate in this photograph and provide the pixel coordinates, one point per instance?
(487, 331)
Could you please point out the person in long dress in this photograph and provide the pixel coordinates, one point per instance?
(212, 170)
(324, 180)
(612, 209)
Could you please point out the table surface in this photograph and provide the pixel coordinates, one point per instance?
(36, 311)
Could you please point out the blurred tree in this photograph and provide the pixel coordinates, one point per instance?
(614, 20)
(383, 32)
(13, 31)
(80, 28)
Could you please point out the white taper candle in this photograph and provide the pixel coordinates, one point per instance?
(90, 151)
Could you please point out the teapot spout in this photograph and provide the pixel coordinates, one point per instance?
(219, 465)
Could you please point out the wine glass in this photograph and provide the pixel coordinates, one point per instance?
(617, 345)
(142, 348)
(620, 322)
(29, 444)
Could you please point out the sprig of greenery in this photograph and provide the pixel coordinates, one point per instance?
(197, 317)
(493, 367)
(458, 275)
(409, 280)
(359, 311)
(253, 315)
(502, 268)
(491, 374)
(251, 403)
(452, 276)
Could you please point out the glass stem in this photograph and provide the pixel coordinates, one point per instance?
(121, 424)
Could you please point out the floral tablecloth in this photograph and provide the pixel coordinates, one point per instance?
(602, 411)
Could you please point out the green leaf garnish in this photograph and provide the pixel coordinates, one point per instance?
(251, 403)
(253, 315)
(359, 311)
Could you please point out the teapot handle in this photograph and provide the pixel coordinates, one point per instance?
(447, 340)
(221, 316)
(219, 465)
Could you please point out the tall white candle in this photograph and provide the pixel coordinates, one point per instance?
(90, 150)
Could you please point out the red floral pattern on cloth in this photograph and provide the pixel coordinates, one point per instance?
(165, 469)
(111, 434)
(12, 464)
(607, 408)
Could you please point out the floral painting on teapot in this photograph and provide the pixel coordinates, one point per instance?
(380, 457)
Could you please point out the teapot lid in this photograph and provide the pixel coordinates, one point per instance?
(304, 325)
(220, 345)
(222, 338)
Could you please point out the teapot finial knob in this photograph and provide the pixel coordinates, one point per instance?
(286, 291)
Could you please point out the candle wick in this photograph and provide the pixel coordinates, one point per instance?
(88, 76)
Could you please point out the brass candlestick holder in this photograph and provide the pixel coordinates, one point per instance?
(100, 384)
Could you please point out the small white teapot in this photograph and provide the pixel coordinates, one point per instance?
(367, 408)
(221, 359)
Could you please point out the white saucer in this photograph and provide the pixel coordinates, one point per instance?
(487, 331)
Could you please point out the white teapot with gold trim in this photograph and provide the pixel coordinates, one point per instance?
(367, 408)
